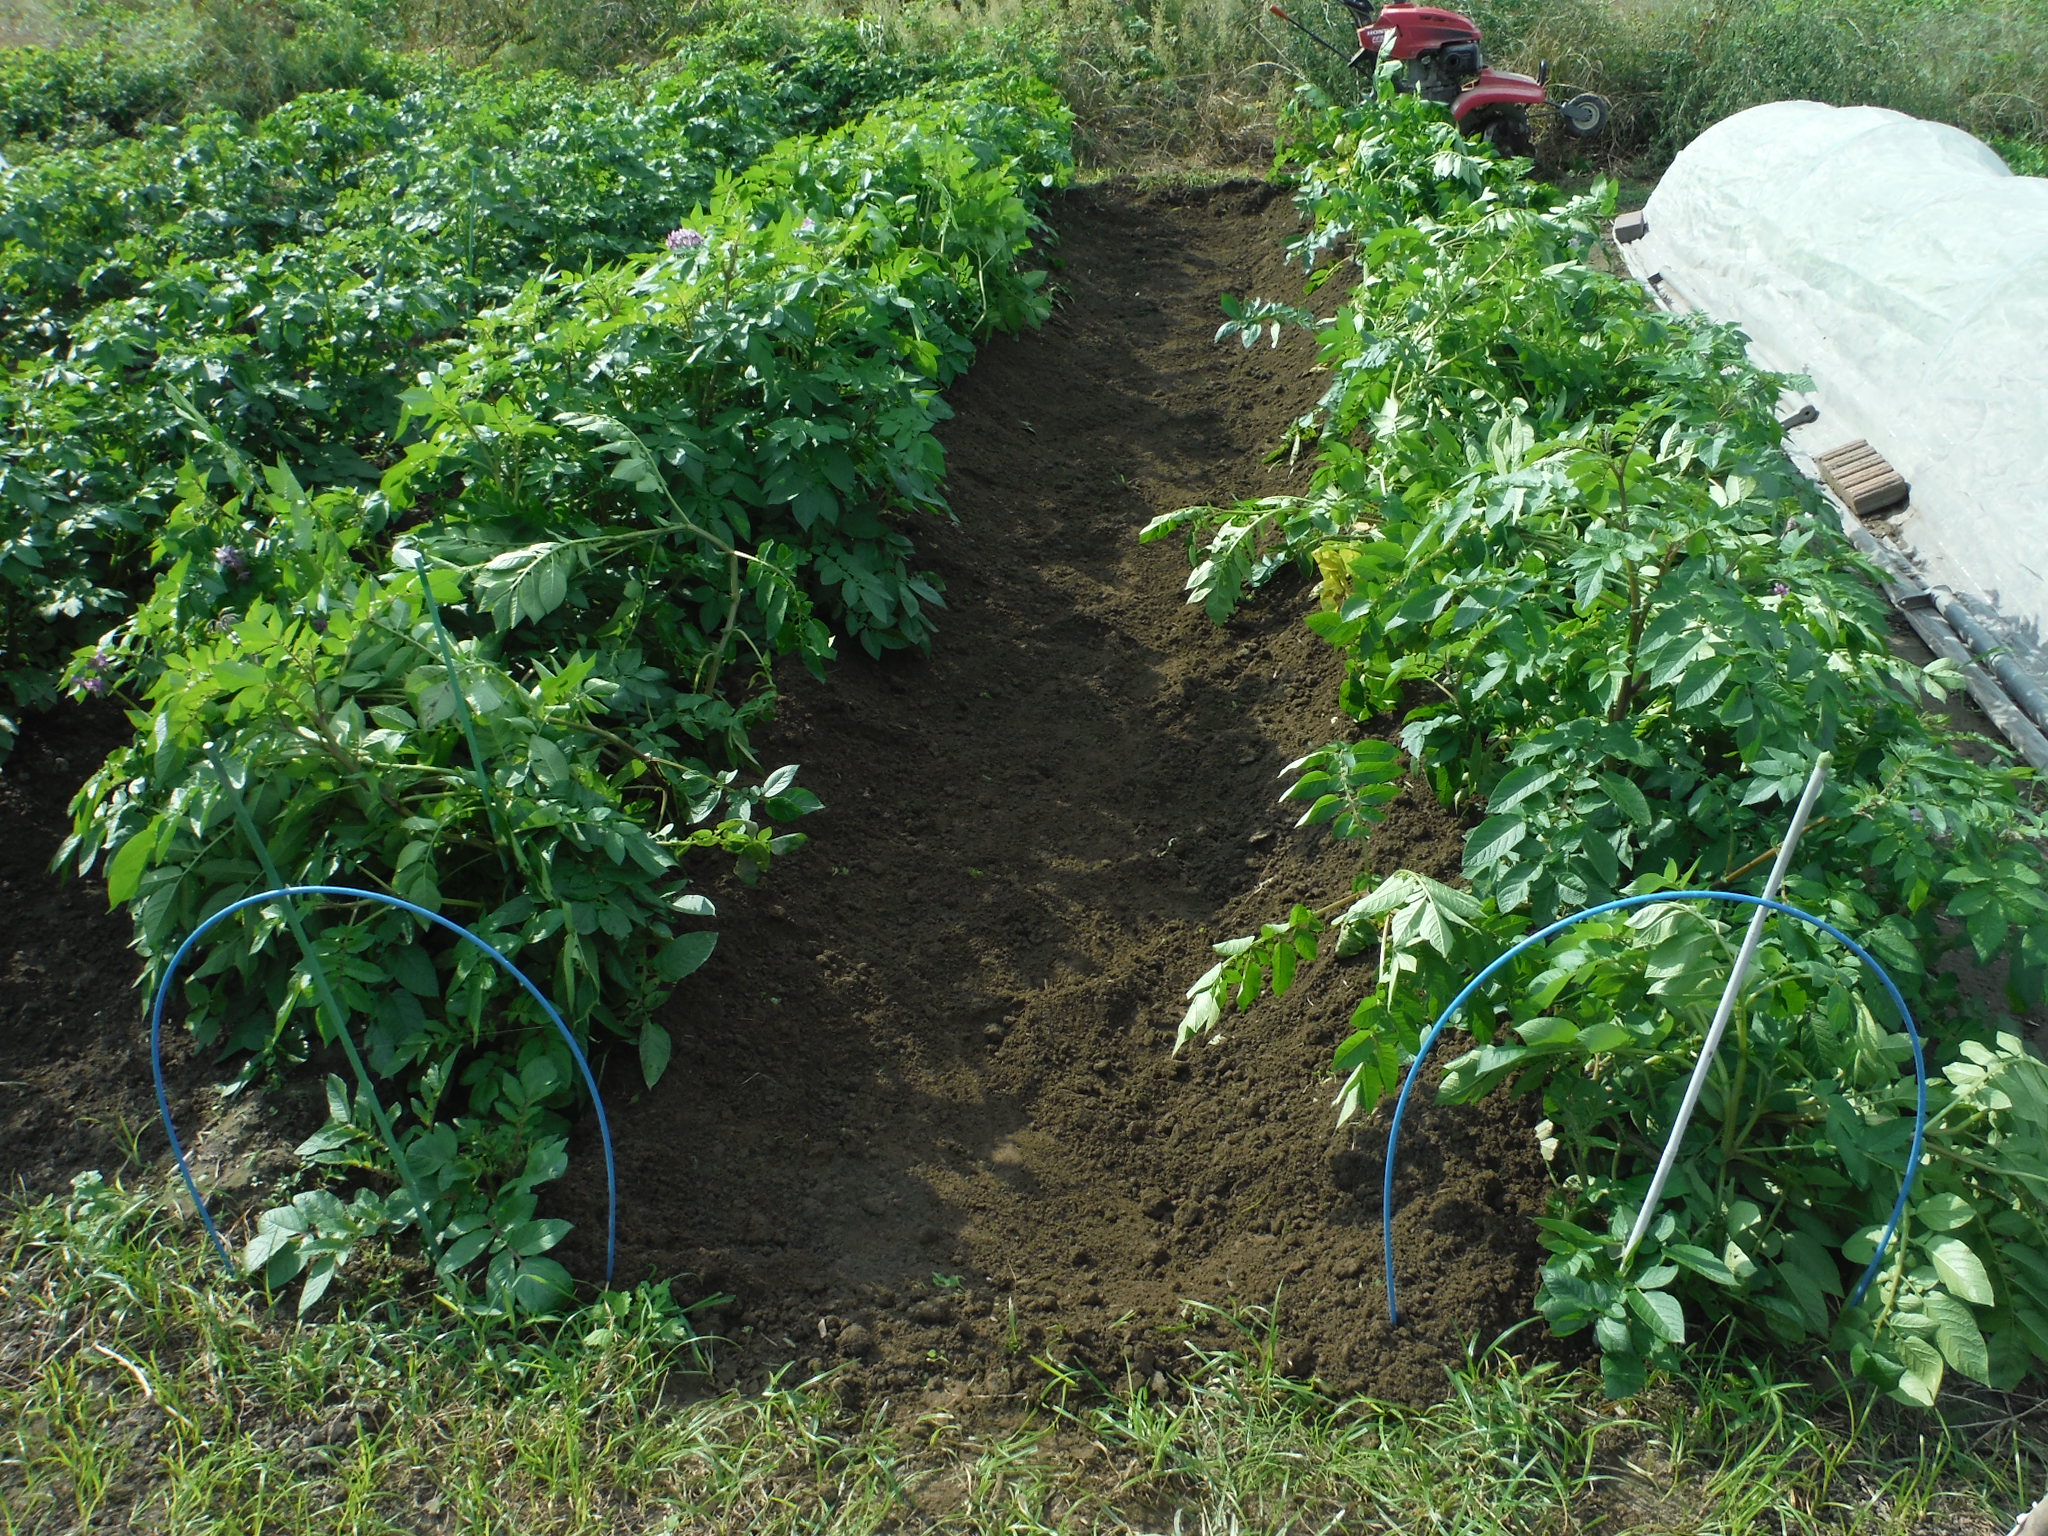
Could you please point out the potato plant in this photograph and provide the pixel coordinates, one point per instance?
(1583, 595)
(288, 277)
(775, 377)
(509, 672)
(1791, 1166)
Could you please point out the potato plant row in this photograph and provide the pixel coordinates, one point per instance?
(286, 278)
(469, 589)
(1582, 594)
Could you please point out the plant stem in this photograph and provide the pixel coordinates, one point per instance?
(1625, 698)
(1891, 1294)
(1971, 1162)
(732, 619)
(1770, 853)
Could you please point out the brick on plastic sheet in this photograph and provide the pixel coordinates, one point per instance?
(1858, 474)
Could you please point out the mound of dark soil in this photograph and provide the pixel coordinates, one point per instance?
(923, 1119)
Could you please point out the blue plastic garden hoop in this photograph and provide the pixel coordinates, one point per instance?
(1443, 1021)
(163, 1100)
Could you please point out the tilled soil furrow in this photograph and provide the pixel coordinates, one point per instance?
(923, 1119)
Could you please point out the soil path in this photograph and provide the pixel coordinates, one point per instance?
(74, 1054)
(923, 1120)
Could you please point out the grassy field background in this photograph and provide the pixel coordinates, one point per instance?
(1163, 82)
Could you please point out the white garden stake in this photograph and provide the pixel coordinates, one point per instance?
(1743, 959)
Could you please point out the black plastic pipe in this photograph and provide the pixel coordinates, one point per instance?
(1995, 654)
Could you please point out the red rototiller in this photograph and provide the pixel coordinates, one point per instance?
(1441, 60)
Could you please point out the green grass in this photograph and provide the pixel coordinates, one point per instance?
(1156, 83)
(1162, 81)
(29, 24)
(1674, 69)
(141, 1390)
(1157, 80)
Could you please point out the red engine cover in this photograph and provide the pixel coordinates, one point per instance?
(1496, 88)
(1416, 29)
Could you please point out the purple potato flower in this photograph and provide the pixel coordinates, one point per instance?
(1779, 589)
(232, 563)
(685, 239)
(95, 681)
(808, 225)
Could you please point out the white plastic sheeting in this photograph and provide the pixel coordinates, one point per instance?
(1905, 268)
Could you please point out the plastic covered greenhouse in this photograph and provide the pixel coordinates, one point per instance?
(1902, 266)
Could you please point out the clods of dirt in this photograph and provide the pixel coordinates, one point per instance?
(924, 1122)
(74, 1054)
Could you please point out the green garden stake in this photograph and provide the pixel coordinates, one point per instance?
(1743, 959)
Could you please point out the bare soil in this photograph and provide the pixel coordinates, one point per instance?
(74, 1052)
(924, 1123)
